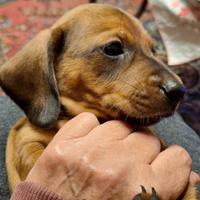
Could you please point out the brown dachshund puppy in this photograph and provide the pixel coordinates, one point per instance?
(96, 58)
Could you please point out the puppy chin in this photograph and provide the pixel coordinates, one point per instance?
(74, 108)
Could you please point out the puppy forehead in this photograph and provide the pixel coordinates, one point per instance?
(110, 19)
(104, 21)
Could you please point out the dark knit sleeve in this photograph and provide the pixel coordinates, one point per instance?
(28, 191)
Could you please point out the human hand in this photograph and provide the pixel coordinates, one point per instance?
(86, 160)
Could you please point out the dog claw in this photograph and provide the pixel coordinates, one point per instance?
(145, 196)
(143, 189)
(153, 191)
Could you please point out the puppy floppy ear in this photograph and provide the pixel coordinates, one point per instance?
(29, 79)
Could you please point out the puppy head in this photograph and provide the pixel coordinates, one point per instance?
(114, 73)
(96, 58)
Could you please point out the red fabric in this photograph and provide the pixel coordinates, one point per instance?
(21, 20)
(28, 191)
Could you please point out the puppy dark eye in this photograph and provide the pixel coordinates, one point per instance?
(112, 49)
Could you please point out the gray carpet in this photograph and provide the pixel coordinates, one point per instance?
(9, 115)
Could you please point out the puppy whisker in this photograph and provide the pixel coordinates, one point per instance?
(129, 84)
(139, 83)
(134, 86)
(184, 102)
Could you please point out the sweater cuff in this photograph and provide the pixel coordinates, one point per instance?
(27, 191)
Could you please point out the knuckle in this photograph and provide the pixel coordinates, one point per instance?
(88, 116)
(183, 155)
(54, 154)
(118, 126)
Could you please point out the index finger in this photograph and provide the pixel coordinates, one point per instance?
(173, 167)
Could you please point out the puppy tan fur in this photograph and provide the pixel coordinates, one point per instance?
(95, 58)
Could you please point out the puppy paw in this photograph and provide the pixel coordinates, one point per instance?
(145, 196)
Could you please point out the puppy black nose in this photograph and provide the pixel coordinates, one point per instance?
(174, 91)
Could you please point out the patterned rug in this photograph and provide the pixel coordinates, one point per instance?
(21, 20)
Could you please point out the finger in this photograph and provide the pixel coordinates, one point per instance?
(194, 178)
(79, 126)
(111, 130)
(145, 144)
(175, 156)
(172, 167)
